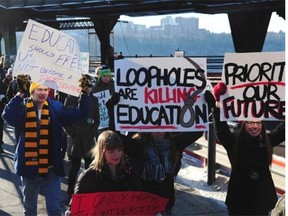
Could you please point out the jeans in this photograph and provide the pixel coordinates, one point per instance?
(52, 192)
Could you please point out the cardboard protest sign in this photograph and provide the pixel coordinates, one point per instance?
(117, 203)
(103, 112)
(255, 86)
(161, 94)
(50, 57)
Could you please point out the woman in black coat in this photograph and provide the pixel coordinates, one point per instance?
(251, 190)
(111, 170)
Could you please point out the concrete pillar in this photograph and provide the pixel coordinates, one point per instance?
(103, 28)
(249, 30)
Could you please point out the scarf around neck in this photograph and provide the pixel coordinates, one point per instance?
(158, 163)
(36, 145)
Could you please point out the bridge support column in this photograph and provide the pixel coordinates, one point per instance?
(8, 27)
(249, 30)
(103, 28)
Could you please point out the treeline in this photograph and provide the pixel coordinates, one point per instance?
(203, 43)
(206, 45)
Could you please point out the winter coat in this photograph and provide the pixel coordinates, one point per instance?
(3, 100)
(83, 133)
(92, 181)
(15, 115)
(101, 86)
(12, 89)
(138, 148)
(251, 190)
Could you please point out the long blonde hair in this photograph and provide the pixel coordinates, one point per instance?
(107, 140)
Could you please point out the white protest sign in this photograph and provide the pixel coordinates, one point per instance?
(161, 94)
(50, 57)
(103, 112)
(255, 86)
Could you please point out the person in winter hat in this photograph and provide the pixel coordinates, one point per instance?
(104, 88)
(38, 121)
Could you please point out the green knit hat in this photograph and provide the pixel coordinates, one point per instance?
(104, 71)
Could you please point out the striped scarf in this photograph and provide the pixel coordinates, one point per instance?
(36, 151)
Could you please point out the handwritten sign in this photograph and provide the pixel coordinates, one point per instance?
(161, 94)
(103, 112)
(255, 86)
(52, 58)
(117, 203)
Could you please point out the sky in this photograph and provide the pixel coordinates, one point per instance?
(217, 23)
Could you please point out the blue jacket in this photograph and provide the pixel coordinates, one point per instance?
(15, 115)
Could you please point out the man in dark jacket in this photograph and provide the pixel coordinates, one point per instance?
(82, 138)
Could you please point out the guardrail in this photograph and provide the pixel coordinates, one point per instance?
(214, 63)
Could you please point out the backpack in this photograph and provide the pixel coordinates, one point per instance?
(279, 209)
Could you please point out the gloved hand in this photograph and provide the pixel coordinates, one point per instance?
(110, 103)
(219, 89)
(23, 83)
(113, 100)
(86, 83)
(210, 100)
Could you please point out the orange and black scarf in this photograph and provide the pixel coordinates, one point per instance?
(36, 150)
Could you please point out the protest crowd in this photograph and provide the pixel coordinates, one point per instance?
(131, 130)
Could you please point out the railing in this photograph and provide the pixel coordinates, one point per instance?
(214, 63)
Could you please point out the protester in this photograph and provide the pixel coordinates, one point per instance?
(97, 72)
(103, 84)
(9, 76)
(111, 170)
(251, 190)
(37, 121)
(119, 56)
(4, 66)
(159, 156)
(12, 89)
(3, 101)
(82, 138)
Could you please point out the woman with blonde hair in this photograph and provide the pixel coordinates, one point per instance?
(111, 170)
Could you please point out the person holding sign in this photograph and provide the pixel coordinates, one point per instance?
(103, 89)
(82, 138)
(37, 121)
(251, 190)
(111, 169)
(158, 154)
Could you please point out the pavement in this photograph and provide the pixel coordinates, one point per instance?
(188, 200)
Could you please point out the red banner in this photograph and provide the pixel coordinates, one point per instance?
(117, 203)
